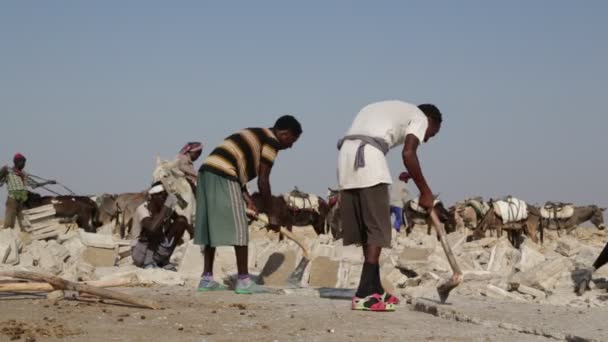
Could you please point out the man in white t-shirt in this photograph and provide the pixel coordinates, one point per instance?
(363, 176)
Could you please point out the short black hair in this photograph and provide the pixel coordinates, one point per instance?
(289, 123)
(431, 111)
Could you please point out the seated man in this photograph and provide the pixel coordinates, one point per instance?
(158, 229)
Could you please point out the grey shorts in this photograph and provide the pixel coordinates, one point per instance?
(366, 216)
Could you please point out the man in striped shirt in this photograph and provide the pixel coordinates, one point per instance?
(17, 181)
(222, 194)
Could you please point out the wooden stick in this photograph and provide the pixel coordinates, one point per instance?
(284, 231)
(46, 287)
(62, 284)
(26, 287)
(457, 277)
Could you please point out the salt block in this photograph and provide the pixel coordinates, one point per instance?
(323, 272)
(278, 268)
(100, 257)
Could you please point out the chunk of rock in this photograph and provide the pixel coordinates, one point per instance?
(493, 291)
(349, 253)
(74, 245)
(323, 272)
(59, 251)
(503, 257)
(543, 276)
(530, 257)
(55, 296)
(43, 258)
(10, 245)
(414, 259)
(79, 271)
(192, 262)
(537, 294)
(96, 240)
(394, 280)
(159, 276)
(100, 257)
(456, 239)
(568, 246)
(278, 268)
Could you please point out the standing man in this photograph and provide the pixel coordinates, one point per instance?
(186, 158)
(222, 194)
(399, 195)
(363, 176)
(17, 181)
(157, 229)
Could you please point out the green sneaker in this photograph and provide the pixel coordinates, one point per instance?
(208, 284)
(247, 286)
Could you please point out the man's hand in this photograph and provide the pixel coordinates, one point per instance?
(171, 201)
(426, 200)
(252, 208)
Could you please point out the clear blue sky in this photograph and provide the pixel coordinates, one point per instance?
(92, 91)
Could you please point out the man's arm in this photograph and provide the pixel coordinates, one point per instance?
(249, 201)
(412, 164)
(151, 224)
(32, 183)
(186, 167)
(264, 188)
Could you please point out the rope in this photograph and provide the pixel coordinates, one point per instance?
(53, 192)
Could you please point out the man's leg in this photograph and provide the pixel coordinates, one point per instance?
(209, 254)
(398, 216)
(369, 283)
(172, 237)
(209, 188)
(10, 214)
(354, 219)
(242, 260)
(375, 211)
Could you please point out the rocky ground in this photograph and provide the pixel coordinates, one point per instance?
(225, 316)
(508, 293)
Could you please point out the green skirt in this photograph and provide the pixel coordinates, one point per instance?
(221, 219)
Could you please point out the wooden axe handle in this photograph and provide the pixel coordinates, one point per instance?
(283, 230)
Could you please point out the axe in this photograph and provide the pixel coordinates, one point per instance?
(448, 285)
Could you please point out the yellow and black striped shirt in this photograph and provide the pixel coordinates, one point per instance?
(239, 156)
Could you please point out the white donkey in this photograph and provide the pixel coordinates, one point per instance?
(175, 182)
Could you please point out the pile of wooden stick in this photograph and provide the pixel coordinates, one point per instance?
(47, 283)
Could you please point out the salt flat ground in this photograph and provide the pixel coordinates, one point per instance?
(225, 316)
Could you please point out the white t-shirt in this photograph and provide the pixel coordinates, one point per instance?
(140, 213)
(399, 194)
(389, 120)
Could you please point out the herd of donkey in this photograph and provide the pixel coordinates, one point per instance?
(298, 208)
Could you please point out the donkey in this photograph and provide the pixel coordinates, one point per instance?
(413, 216)
(82, 208)
(492, 221)
(579, 215)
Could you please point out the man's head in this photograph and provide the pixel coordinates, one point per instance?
(434, 117)
(287, 130)
(19, 161)
(193, 149)
(156, 197)
(404, 177)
